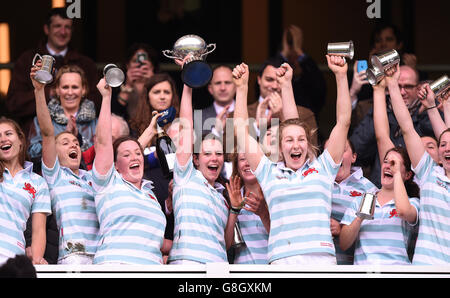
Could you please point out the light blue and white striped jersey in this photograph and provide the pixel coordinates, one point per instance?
(255, 237)
(383, 240)
(433, 241)
(73, 204)
(344, 193)
(299, 206)
(201, 215)
(132, 223)
(20, 196)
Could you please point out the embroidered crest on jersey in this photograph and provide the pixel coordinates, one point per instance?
(31, 190)
(310, 171)
(393, 213)
(442, 184)
(73, 182)
(355, 193)
(152, 197)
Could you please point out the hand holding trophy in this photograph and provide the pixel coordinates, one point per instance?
(196, 72)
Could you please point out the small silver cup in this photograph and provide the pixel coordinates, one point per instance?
(367, 206)
(374, 76)
(342, 49)
(238, 240)
(385, 60)
(45, 74)
(441, 86)
(114, 76)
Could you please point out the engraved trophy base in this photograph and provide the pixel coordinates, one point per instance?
(43, 77)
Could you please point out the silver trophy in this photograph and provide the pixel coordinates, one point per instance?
(367, 206)
(45, 74)
(441, 86)
(385, 60)
(374, 76)
(238, 240)
(114, 76)
(196, 72)
(342, 49)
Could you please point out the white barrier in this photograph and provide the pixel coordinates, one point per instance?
(224, 270)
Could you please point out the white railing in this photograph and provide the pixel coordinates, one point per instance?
(224, 270)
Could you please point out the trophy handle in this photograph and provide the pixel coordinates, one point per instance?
(213, 46)
(168, 54)
(34, 59)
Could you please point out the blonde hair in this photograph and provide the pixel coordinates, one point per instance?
(22, 138)
(312, 149)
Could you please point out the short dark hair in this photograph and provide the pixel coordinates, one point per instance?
(18, 267)
(60, 11)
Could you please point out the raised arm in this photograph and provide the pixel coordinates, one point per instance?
(45, 122)
(338, 136)
(411, 137)
(428, 99)
(284, 78)
(185, 148)
(380, 120)
(104, 155)
(249, 145)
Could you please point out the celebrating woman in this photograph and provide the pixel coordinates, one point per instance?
(131, 221)
(22, 193)
(298, 192)
(72, 196)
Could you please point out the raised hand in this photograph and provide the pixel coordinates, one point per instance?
(284, 74)
(241, 75)
(234, 192)
(337, 64)
(34, 69)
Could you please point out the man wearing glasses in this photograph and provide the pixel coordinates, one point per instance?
(363, 136)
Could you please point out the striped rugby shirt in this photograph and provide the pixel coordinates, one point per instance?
(344, 193)
(383, 240)
(255, 237)
(73, 203)
(433, 241)
(20, 196)
(132, 223)
(299, 206)
(201, 215)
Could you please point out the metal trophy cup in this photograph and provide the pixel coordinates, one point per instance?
(374, 75)
(386, 60)
(238, 240)
(196, 72)
(367, 206)
(45, 74)
(441, 86)
(114, 76)
(342, 49)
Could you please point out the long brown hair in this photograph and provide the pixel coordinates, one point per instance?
(144, 110)
(22, 138)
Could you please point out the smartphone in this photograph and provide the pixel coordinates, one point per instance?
(361, 66)
(141, 57)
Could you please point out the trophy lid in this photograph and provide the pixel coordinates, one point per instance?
(189, 43)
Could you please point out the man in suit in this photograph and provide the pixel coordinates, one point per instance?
(269, 97)
(223, 90)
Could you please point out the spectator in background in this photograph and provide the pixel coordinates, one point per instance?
(70, 111)
(141, 64)
(308, 82)
(58, 31)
